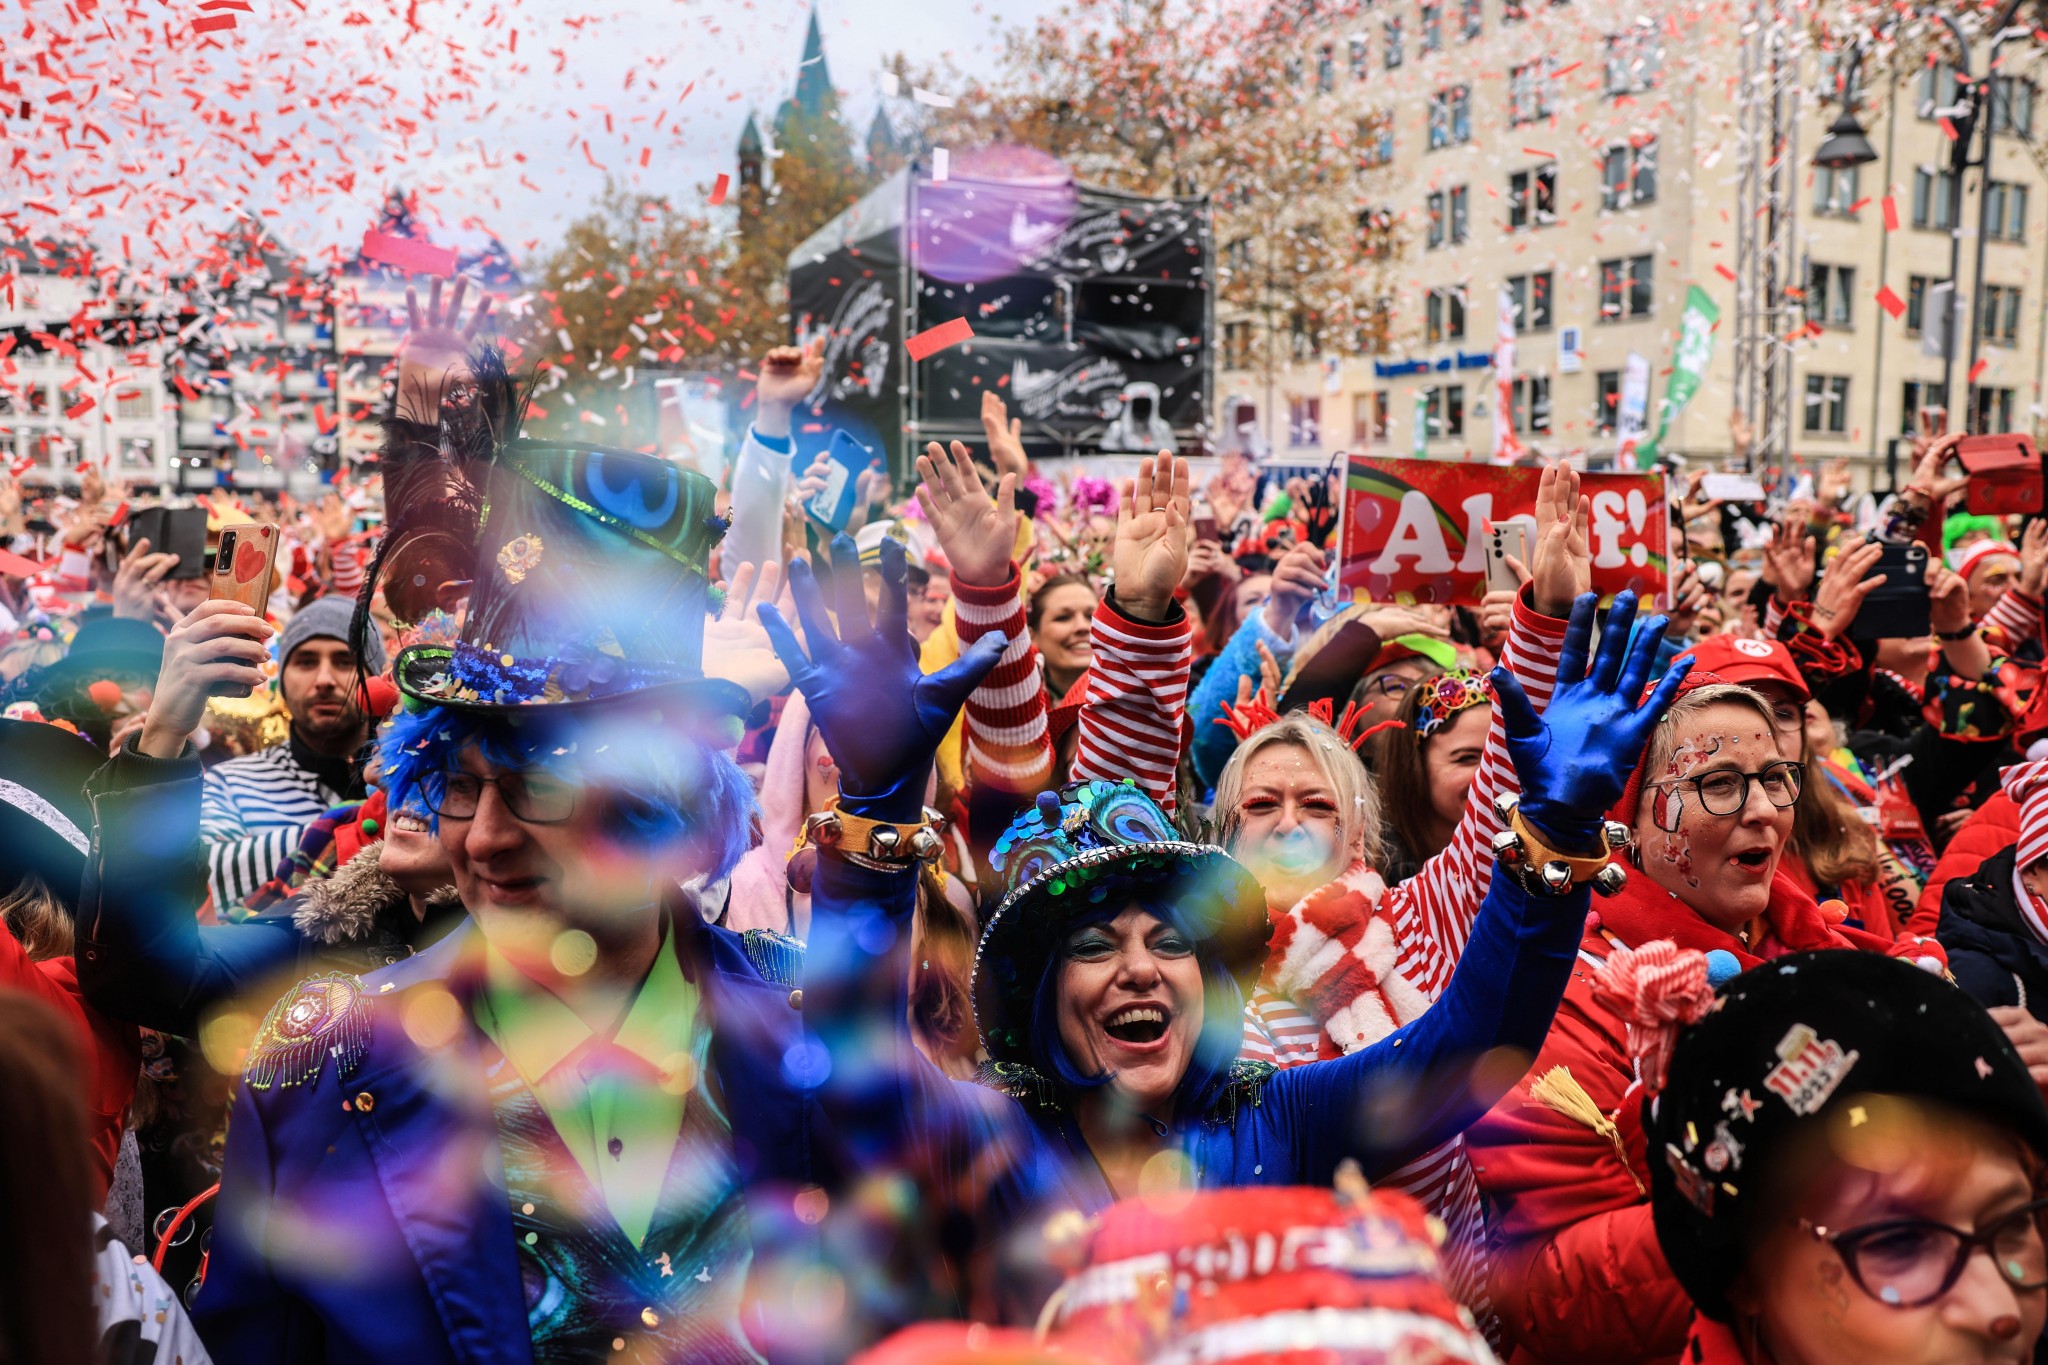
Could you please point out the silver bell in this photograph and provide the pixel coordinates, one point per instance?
(882, 843)
(1610, 879)
(1504, 805)
(926, 844)
(1507, 846)
(825, 829)
(1617, 834)
(1557, 876)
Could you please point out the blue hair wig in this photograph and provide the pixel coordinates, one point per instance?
(1216, 1047)
(662, 783)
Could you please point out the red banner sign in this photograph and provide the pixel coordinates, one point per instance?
(1413, 528)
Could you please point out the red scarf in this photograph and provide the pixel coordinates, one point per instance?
(1643, 912)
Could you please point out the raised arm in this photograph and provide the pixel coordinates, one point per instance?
(1572, 762)
(1144, 646)
(760, 477)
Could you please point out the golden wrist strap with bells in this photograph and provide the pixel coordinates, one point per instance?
(875, 844)
(1545, 871)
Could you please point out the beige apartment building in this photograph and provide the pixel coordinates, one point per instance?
(1587, 157)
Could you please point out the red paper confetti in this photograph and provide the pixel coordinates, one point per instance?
(1891, 214)
(1890, 302)
(1725, 273)
(1977, 370)
(212, 23)
(79, 409)
(18, 565)
(932, 340)
(718, 189)
(418, 258)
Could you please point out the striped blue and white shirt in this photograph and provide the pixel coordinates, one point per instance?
(252, 811)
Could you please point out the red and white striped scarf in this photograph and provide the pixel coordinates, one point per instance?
(2027, 785)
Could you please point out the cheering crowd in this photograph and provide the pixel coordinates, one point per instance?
(589, 911)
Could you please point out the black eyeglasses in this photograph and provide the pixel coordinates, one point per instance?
(1726, 792)
(1387, 684)
(1911, 1262)
(532, 798)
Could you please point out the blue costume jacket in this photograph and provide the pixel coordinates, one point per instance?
(363, 1218)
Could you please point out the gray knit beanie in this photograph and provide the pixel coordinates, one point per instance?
(326, 618)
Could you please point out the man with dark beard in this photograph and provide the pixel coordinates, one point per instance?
(256, 807)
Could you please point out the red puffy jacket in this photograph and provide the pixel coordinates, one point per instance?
(1577, 1273)
(1991, 829)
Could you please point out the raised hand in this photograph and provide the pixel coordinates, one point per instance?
(1929, 488)
(2034, 558)
(788, 374)
(135, 581)
(1689, 597)
(218, 650)
(1561, 560)
(880, 716)
(1150, 555)
(1788, 561)
(1575, 758)
(976, 532)
(1844, 586)
(1005, 435)
(1297, 578)
(736, 647)
(434, 356)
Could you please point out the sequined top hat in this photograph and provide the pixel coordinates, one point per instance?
(585, 569)
(591, 585)
(1091, 845)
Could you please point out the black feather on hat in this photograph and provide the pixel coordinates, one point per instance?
(1792, 1042)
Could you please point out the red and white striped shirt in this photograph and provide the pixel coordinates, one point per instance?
(2015, 613)
(1136, 699)
(1006, 743)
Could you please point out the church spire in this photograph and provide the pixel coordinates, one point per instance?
(813, 82)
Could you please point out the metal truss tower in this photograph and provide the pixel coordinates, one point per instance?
(1767, 216)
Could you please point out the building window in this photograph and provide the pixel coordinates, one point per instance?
(1530, 295)
(1393, 41)
(1532, 405)
(2012, 105)
(1937, 90)
(1375, 139)
(1629, 175)
(1444, 316)
(1304, 338)
(1998, 313)
(1450, 117)
(1446, 411)
(1834, 192)
(1606, 401)
(1625, 288)
(138, 452)
(1360, 57)
(134, 403)
(1827, 405)
(1376, 234)
(1829, 290)
(1304, 421)
(2005, 212)
(1449, 216)
(1376, 330)
(1990, 410)
(1369, 418)
(1932, 202)
(1529, 92)
(1634, 61)
(1433, 27)
(1513, 12)
(1532, 197)
(1916, 302)
(1237, 255)
(1916, 394)
(1472, 19)
(38, 398)
(1237, 345)
(1326, 69)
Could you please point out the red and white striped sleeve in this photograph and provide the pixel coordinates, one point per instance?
(347, 560)
(1433, 910)
(1774, 617)
(1136, 695)
(1006, 741)
(2015, 613)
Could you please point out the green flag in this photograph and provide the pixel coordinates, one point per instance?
(1688, 367)
(1421, 443)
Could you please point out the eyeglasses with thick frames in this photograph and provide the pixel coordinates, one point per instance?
(532, 798)
(1727, 791)
(1911, 1262)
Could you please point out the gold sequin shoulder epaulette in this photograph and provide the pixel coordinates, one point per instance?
(320, 1017)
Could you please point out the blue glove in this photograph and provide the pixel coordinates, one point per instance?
(1574, 759)
(881, 716)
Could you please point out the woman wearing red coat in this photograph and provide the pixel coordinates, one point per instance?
(1577, 1274)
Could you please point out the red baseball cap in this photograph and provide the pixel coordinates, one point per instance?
(1738, 660)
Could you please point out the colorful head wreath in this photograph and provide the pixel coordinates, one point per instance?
(1445, 696)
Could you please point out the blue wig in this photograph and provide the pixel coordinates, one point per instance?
(1216, 1047)
(662, 783)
